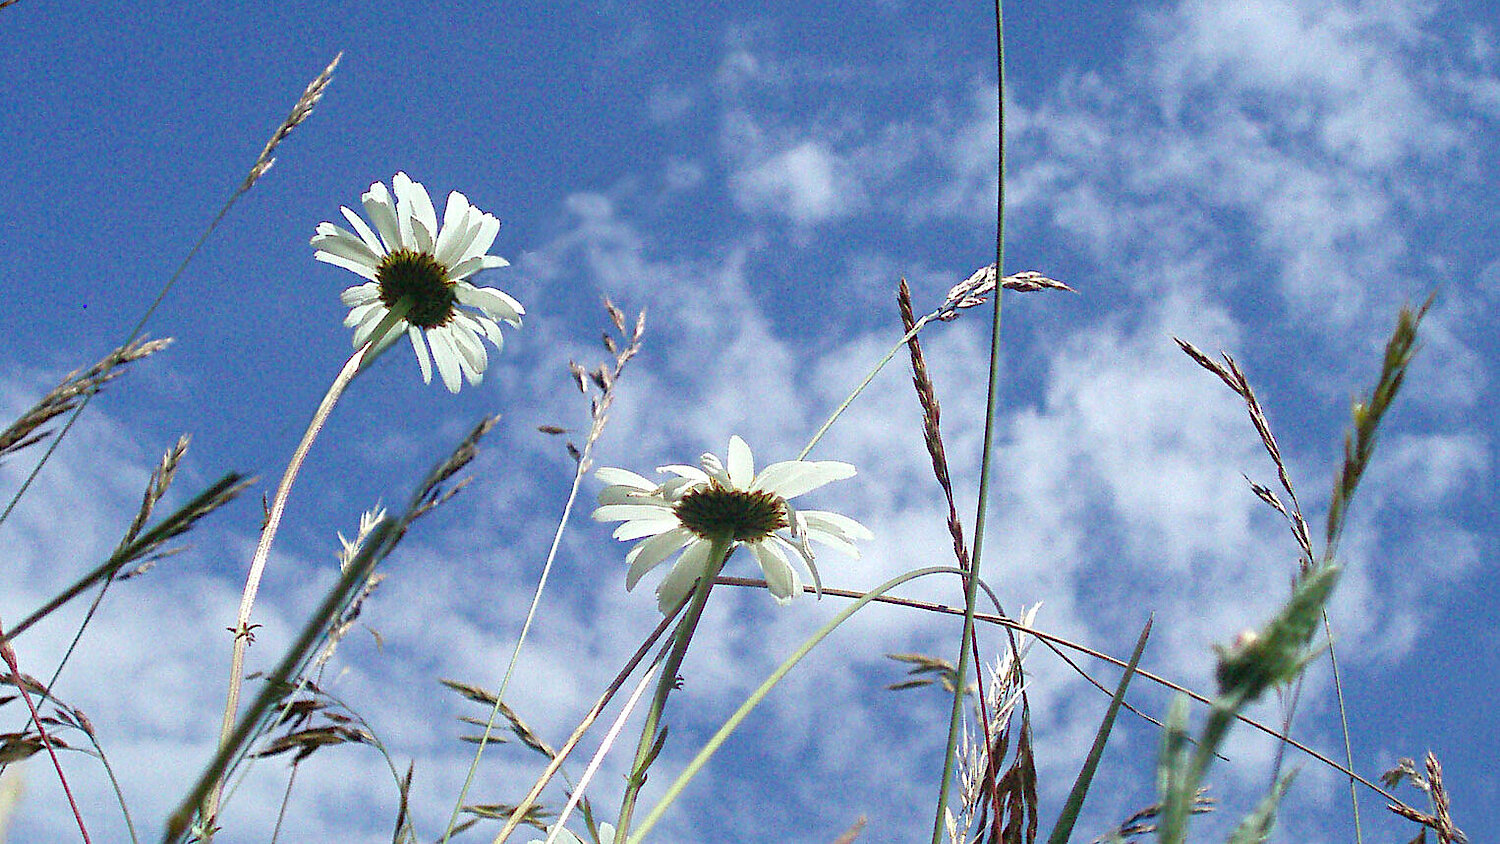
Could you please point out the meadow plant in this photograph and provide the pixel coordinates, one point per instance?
(417, 280)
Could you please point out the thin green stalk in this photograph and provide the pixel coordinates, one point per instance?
(605, 746)
(362, 358)
(1073, 805)
(649, 744)
(760, 693)
(567, 747)
(300, 112)
(870, 376)
(181, 820)
(971, 584)
(515, 655)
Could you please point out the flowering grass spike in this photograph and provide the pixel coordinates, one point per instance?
(418, 278)
(725, 499)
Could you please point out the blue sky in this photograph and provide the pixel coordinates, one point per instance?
(1269, 177)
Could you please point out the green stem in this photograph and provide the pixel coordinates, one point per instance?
(648, 746)
(870, 376)
(971, 584)
(357, 362)
(760, 693)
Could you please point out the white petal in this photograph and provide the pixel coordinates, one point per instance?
(366, 234)
(454, 215)
(360, 294)
(619, 512)
(844, 526)
(804, 553)
(414, 213)
(496, 304)
(625, 494)
(331, 238)
(741, 464)
(673, 489)
(792, 478)
(470, 349)
(692, 473)
(714, 467)
(373, 316)
(381, 210)
(832, 540)
(637, 528)
(468, 229)
(623, 477)
(676, 586)
(781, 577)
(347, 246)
(344, 263)
(419, 344)
(490, 328)
(360, 314)
(484, 237)
(648, 554)
(445, 357)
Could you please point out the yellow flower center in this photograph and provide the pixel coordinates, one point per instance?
(746, 516)
(418, 275)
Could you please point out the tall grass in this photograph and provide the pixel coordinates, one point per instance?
(989, 788)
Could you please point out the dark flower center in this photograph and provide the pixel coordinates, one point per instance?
(745, 516)
(418, 275)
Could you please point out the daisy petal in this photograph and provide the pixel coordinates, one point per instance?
(639, 528)
(623, 477)
(679, 582)
(844, 526)
(649, 553)
(741, 464)
(366, 234)
(420, 345)
(792, 478)
(445, 358)
(623, 512)
(344, 263)
(381, 210)
(454, 214)
(781, 577)
(495, 303)
(360, 294)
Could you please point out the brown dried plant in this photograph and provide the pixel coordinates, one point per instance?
(75, 387)
(1439, 819)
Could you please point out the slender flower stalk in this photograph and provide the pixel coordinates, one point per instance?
(416, 285)
(651, 738)
(243, 631)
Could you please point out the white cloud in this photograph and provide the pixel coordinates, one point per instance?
(806, 184)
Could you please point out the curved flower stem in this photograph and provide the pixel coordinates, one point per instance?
(521, 809)
(844, 405)
(649, 745)
(242, 629)
(760, 693)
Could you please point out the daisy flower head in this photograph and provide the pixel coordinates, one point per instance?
(725, 499)
(417, 278)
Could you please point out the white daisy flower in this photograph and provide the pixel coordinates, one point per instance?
(411, 260)
(686, 512)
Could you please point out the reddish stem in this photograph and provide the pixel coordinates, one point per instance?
(15, 672)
